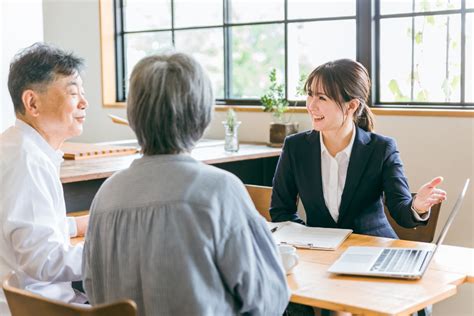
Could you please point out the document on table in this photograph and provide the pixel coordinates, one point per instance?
(302, 236)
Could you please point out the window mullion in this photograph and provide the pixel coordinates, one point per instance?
(364, 33)
(286, 47)
(119, 51)
(227, 49)
(463, 51)
(412, 77)
(172, 24)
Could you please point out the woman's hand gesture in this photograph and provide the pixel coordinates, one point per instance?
(429, 195)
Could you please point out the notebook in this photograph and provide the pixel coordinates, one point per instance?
(403, 263)
(302, 236)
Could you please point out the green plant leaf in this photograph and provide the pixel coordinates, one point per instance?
(425, 6)
(419, 37)
(422, 96)
(430, 20)
(455, 82)
(300, 87)
(397, 93)
(394, 88)
(231, 118)
(273, 99)
(446, 89)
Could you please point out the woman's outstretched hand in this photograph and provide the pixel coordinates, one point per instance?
(429, 195)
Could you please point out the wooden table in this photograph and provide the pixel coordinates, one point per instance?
(210, 152)
(254, 163)
(312, 285)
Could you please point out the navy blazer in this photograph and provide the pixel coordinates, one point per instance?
(375, 168)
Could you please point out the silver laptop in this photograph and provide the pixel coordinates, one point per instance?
(403, 263)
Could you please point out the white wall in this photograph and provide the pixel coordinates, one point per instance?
(429, 146)
(15, 34)
(74, 25)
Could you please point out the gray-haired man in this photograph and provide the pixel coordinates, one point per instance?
(46, 89)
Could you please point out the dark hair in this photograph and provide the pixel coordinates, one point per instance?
(344, 80)
(36, 66)
(169, 103)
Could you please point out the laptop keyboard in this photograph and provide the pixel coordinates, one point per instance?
(399, 260)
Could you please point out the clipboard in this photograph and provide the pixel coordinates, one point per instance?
(301, 236)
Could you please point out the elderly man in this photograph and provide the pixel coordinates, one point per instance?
(46, 89)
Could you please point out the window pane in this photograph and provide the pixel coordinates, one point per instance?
(307, 9)
(437, 70)
(243, 11)
(469, 66)
(469, 4)
(207, 46)
(190, 13)
(256, 50)
(406, 6)
(436, 67)
(140, 15)
(138, 46)
(306, 52)
(395, 60)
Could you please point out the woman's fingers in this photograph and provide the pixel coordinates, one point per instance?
(435, 182)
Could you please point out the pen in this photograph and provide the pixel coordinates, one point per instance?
(274, 229)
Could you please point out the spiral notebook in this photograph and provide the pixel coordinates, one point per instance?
(302, 236)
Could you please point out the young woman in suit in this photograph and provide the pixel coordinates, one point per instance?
(341, 170)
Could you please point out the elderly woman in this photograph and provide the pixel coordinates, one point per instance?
(175, 235)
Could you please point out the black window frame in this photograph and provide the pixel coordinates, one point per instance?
(412, 104)
(367, 18)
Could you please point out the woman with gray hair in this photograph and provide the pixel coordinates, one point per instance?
(175, 235)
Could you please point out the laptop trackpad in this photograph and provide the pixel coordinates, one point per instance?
(358, 258)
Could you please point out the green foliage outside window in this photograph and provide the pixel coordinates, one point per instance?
(450, 83)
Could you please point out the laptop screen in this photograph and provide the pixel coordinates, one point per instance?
(451, 217)
(450, 220)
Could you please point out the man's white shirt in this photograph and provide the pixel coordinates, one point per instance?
(34, 230)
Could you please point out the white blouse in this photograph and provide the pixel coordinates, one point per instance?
(334, 173)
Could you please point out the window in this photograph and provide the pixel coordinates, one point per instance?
(420, 55)
(237, 41)
(425, 53)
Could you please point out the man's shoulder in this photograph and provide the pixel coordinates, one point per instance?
(18, 151)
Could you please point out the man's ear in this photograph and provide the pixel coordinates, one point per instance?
(31, 102)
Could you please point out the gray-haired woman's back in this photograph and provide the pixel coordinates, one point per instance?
(181, 238)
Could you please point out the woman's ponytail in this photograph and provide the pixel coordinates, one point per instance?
(364, 118)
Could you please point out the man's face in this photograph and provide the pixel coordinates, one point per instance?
(62, 107)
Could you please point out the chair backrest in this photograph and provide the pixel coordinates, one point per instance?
(261, 197)
(22, 302)
(420, 233)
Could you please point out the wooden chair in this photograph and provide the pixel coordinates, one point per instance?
(25, 303)
(420, 233)
(261, 197)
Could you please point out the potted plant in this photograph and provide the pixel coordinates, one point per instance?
(231, 125)
(274, 101)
